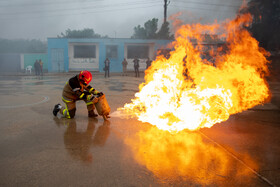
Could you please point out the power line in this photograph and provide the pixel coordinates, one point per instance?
(82, 13)
(103, 8)
(83, 8)
(187, 7)
(44, 3)
(204, 3)
(67, 2)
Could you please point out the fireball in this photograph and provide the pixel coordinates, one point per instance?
(189, 91)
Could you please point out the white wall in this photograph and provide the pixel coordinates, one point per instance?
(83, 63)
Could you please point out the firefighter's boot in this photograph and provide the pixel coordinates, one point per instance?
(92, 114)
(56, 109)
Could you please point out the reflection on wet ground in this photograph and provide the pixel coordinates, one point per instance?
(187, 156)
(17, 85)
(78, 142)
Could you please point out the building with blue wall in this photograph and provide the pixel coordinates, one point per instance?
(68, 54)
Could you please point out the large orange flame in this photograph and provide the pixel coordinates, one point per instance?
(186, 91)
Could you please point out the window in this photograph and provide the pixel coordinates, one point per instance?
(84, 51)
(112, 51)
(137, 51)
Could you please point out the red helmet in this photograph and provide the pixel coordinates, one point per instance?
(85, 76)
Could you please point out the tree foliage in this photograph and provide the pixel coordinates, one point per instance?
(164, 32)
(85, 33)
(266, 22)
(22, 46)
(150, 31)
(151, 28)
(139, 33)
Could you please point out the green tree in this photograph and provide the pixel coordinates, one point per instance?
(85, 33)
(151, 28)
(164, 32)
(266, 22)
(139, 33)
(149, 31)
(146, 32)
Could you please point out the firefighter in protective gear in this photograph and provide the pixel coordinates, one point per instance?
(78, 88)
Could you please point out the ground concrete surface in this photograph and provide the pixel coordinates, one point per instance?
(38, 149)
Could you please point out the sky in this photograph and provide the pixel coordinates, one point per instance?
(42, 19)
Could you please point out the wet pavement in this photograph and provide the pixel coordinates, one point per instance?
(38, 149)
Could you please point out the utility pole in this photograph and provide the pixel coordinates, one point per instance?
(165, 10)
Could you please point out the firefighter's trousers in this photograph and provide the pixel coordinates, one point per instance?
(69, 110)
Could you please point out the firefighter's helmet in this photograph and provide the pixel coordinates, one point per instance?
(85, 76)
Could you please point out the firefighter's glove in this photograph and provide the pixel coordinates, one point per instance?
(93, 98)
(90, 97)
(99, 94)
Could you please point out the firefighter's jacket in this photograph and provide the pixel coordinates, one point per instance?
(73, 90)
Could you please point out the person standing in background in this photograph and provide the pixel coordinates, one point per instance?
(124, 65)
(37, 67)
(148, 63)
(107, 67)
(136, 66)
(41, 67)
